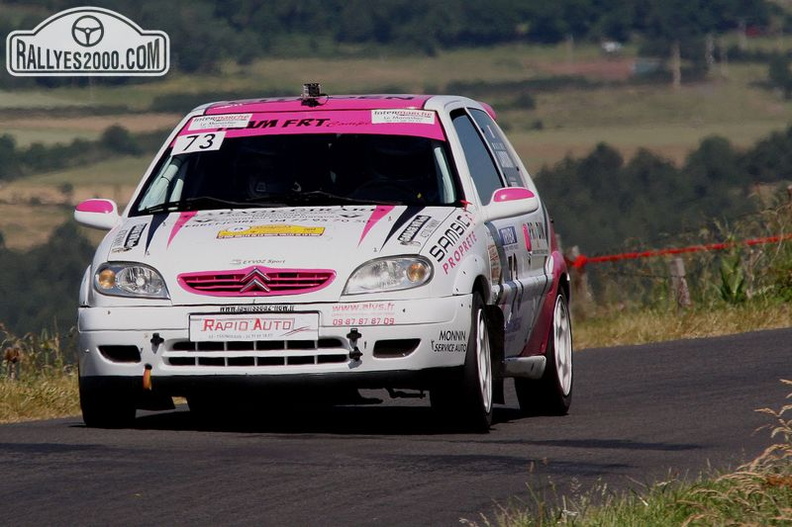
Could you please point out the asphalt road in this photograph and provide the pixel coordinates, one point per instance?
(640, 414)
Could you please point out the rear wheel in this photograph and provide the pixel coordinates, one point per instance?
(106, 406)
(552, 394)
(467, 399)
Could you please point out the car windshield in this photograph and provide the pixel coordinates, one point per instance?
(309, 169)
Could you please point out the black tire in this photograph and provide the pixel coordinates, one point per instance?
(106, 406)
(552, 394)
(467, 399)
(207, 408)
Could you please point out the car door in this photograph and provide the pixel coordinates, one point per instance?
(521, 241)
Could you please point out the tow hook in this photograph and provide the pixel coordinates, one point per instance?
(147, 377)
(353, 337)
(156, 340)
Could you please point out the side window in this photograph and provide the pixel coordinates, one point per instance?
(497, 142)
(482, 168)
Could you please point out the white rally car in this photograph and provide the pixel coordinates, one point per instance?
(307, 247)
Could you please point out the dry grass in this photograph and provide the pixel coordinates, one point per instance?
(44, 397)
(51, 130)
(759, 492)
(25, 227)
(611, 327)
(43, 382)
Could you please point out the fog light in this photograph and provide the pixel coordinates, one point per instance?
(417, 272)
(106, 279)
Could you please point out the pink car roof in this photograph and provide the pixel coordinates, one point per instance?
(334, 102)
(359, 114)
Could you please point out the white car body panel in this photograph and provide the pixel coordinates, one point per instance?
(509, 261)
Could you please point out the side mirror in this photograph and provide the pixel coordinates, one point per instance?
(511, 201)
(97, 213)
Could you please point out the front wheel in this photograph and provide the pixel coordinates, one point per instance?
(106, 406)
(468, 398)
(552, 394)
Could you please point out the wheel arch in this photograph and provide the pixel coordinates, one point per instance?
(496, 329)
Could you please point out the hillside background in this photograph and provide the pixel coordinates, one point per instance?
(632, 143)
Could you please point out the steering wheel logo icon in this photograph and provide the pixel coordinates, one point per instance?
(87, 31)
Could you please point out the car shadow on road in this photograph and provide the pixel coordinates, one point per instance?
(343, 420)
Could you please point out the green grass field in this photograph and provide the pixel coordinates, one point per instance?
(31, 208)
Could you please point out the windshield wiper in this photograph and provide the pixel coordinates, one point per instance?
(195, 203)
(318, 197)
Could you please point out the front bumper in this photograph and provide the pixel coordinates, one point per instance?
(402, 344)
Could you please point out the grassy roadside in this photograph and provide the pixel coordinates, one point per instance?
(47, 387)
(41, 397)
(612, 327)
(758, 493)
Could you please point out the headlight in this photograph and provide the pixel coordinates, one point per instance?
(130, 279)
(389, 274)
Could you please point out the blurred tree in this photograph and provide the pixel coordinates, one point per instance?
(715, 162)
(38, 290)
(780, 75)
(9, 158)
(116, 138)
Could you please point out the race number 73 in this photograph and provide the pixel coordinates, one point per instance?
(205, 142)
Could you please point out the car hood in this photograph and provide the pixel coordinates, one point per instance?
(334, 240)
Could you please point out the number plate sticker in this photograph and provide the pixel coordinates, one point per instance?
(254, 326)
(201, 142)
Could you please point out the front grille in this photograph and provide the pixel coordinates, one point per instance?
(257, 353)
(256, 281)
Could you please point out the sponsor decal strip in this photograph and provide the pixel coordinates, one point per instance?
(230, 120)
(404, 115)
(319, 122)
